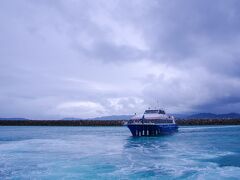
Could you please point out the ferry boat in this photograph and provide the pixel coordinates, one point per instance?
(153, 122)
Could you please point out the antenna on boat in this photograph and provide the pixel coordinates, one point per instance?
(157, 104)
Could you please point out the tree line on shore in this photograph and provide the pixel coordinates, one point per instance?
(181, 122)
(61, 123)
(191, 122)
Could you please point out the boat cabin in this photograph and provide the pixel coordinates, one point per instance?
(154, 112)
(152, 116)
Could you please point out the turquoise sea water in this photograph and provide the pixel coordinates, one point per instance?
(197, 152)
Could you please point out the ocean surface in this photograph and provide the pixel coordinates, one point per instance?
(196, 152)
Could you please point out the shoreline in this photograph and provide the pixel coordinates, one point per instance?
(202, 122)
(180, 122)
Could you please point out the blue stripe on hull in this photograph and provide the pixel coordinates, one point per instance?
(152, 130)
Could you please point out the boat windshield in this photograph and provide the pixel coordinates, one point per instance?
(155, 121)
(161, 112)
(151, 112)
(154, 112)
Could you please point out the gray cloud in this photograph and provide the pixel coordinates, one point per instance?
(88, 58)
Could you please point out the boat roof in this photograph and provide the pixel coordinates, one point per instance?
(152, 114)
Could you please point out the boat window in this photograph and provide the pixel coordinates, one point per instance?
(154, 112)
(151, 112)
(158, 121)
(161, 112)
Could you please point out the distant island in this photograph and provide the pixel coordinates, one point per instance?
(213, 116)
(127, 117)
(13, 119)
(177, 116)
(113, 117)
(120, 120)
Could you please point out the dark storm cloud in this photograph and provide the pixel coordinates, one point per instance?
(87, 58)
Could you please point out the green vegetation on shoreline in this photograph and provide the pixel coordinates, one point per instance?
(188, 122)
(194, 122)
(61, 123)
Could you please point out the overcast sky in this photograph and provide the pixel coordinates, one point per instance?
(88, 58)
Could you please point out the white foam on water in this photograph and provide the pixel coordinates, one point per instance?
(87, 146)
(178, 159)
(217, 173)
(98, 156)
